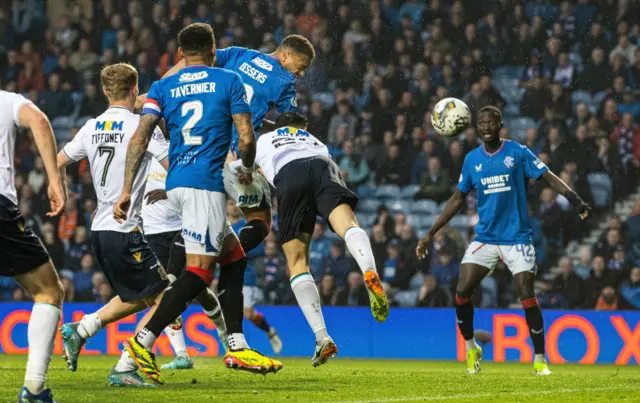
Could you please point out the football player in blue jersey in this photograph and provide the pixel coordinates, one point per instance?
(199, 106)
(499, 170)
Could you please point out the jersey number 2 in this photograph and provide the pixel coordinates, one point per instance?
(196, 108)
(110, 152)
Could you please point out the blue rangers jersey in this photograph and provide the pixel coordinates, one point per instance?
(267, 83)
(197, 105)
(501, 183)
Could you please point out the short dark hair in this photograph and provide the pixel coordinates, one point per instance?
(299, 44)
(196, 39)
(293, 119)
(491, 109)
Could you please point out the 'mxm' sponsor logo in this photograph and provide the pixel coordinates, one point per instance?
(109, 125)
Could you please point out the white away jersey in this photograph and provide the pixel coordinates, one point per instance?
(160, 216)
(277, 148)
(10, 105)
(104, 142)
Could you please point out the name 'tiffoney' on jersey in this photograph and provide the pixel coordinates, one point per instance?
(10, 105)
(267, 83)
(104, 141)
(197, 105)
(501, 183)
(279, 147)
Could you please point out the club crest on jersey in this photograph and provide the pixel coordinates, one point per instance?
(478, 168)
(508, 162)
(262, 64)
(188, 77)
(108, 125)
(294, 102)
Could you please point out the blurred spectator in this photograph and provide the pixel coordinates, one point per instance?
(435, 182)
(68, 76)
(630, 288)
(569, 284)
(393, 264)
(82, 280)
(93, 104)
(431, 295)
(76, 249)
(319, 248)
(394, 169)
(30, 79)
(596, 75)
(551, 298)
(564, 72)
(583, 267)
(599, 278)
(55, 102)
(69, 289)
(327, 289)
(354, 294)
(534, 100)
(337, 264)
(355, 169)
(626, 49)
(68, 221)
(343, 118)
(446, 268)
(105, 293)
(83, 60)
(608, 300)
(606, 248)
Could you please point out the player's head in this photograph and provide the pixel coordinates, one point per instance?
(296, 54)
(197, 44)
(489, 123)
(120, 82)
(292, 119)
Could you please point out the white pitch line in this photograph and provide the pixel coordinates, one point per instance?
(479, 395)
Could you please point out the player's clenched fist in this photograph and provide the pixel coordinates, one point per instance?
(121, 208)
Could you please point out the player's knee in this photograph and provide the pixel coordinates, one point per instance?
(52, 294)
(263, 215)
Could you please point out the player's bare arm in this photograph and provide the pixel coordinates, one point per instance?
(246, 146)
(33, 118)
(135, 153)
(451, 208)
(583, 208)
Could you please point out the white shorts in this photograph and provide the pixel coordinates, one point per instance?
(518, 258)
(255, 195)
(252, 296)
(204, 219)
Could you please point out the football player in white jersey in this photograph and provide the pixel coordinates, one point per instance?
(308, 183)
(130, 265)
(22, 255)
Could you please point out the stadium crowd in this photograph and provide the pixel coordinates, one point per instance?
(566, 75)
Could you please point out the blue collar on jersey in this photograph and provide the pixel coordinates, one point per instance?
(496, 152)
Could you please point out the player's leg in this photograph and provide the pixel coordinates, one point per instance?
(521, 262)
(23, 257)
(343, 221)
(478, 261)
(162, 245)
(207, 299)
(44, 286)
(204, 216)
(253, 296)
(304, 288)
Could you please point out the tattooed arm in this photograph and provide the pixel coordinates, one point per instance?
(246, 146)
(135, 153)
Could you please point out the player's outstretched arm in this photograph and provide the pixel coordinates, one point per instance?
(583, 209)
(246, 144)
(135, 153)
(33, 118)
(450, 209)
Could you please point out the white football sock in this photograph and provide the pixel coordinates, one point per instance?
(539, 358)
(359, 247)
(237, 341)
(126, 363)
(176, 338)
(89, 326)
(41, 332)
(308, 299)
(471, 344)
(146, 338)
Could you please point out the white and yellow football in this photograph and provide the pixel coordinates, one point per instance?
(450, 117)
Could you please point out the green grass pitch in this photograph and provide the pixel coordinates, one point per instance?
(340, 381)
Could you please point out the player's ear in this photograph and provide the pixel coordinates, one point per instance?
(180, 54)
